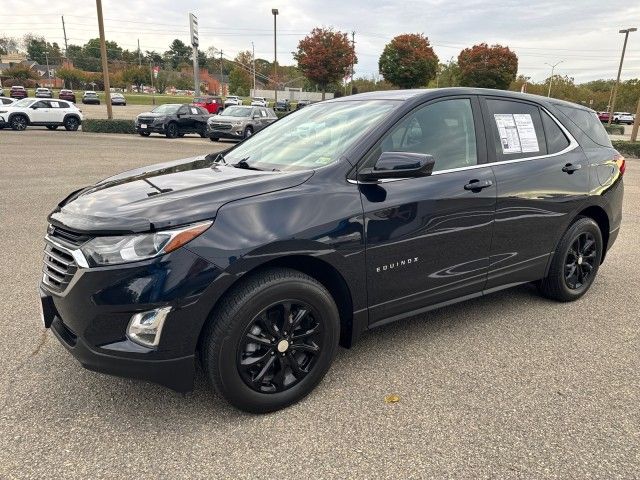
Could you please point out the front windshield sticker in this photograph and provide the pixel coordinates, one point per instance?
(517, 133)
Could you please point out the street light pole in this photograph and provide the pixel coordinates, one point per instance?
(253, 61)
(275, 12)
(553, 67)
(626, 32)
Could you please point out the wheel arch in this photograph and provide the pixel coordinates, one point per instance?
(16, 114)
(318, 269)
(600, 216)
(74, 115)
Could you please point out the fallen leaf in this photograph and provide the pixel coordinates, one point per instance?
(393, 398)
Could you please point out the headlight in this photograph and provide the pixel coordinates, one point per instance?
(132, 248)
(237, 124)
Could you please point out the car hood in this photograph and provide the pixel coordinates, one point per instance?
(165, 195)
(153, 114)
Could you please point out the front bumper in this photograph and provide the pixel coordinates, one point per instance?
(150, 127)
(233, 132)
(90, 316)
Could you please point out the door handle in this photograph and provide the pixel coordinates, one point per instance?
(477, 185)
(570, 168)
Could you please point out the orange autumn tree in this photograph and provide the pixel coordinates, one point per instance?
(325, 57)
(487, 66)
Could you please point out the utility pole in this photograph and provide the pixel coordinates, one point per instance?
(253, 60)
(105, 66)
(46, 56)
(636, 124)
(64, 32)
(221, 77)
(353, 47)
(553, 67)
(626, 32)
(275, 12)
(139, 55)
(153, 93)
(193, 28)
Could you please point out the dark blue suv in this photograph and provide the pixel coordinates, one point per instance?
(259, 261)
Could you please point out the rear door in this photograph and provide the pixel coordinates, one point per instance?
(58, 110)
(542, 180)
(428, 239)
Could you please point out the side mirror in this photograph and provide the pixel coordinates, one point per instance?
(398, 165)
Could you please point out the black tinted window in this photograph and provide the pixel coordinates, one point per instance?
(556, 139)
(444, 130)
(517, 129)
(589, 123)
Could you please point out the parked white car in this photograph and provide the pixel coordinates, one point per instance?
(623, 117)
(232, 100)
(259, 102)
(43, 93)
(49, 113)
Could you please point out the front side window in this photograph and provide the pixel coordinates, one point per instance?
(444, 130)
(311, 137)
(517, 129)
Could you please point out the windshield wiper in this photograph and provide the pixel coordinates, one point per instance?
(244, 165)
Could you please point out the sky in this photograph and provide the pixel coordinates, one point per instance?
(581, 34)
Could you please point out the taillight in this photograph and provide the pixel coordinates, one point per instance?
(620, 161)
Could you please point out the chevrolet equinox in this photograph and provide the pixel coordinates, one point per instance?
(257, 262)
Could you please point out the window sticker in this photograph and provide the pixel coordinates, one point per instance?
(54, 104)
(517, 133)
(526, 132)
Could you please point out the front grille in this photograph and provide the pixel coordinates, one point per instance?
(146, 119)
(68, 237)
(221, 126)
(59, 267)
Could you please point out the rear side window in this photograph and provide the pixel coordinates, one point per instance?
(556, 139)
(589, 123)
(517, 129)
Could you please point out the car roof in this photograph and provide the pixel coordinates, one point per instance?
(427, 93)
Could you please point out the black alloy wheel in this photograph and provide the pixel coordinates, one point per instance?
(19, 122)
(248, 132)
(71, 124)
(270, 340)
(202, 131)
(579, 263)
(280, 346)
(172, 130)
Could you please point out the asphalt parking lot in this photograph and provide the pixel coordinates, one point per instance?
(507, 386)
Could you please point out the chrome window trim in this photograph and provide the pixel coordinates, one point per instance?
(573, 143)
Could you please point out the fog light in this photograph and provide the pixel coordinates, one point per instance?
(145, 328)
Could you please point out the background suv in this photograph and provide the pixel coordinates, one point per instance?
(66, 94)
(42, 92)
(18, 92)
(173, 120)
(232, 100)
(90, 97)
(37, 112)
(239, 122)
(623, 117)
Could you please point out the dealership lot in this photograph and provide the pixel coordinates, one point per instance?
(510, 385)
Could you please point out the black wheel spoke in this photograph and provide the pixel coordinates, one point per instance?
(280, 346)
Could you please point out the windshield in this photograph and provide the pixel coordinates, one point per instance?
(25, 102)
(312, 137)
(167, 108)
(236, 112)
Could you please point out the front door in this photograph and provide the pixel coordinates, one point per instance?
(41, 112)
(542, 178)
(428, 239)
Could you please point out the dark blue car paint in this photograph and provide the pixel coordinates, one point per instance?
(461, 243)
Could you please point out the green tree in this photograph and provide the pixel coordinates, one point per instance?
(408, 61)
(38, 49)
(487, 66)
(73, 78)
(178, 53)
(8, 44)
(137, 76)
(325, 57)
(240, 79)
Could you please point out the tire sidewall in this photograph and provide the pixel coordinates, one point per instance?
(20, 127)
(233, 386)
(71, 124)
(172, 130)
(584, 225)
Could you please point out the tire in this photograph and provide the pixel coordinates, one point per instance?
(202, 131)
(256, 307)
(52, 127)
(71, 124)
(214, 139)
(19, 122)
(248, 132)
(144, 134)
(180, 135)
(575, 262)
(172, 130)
